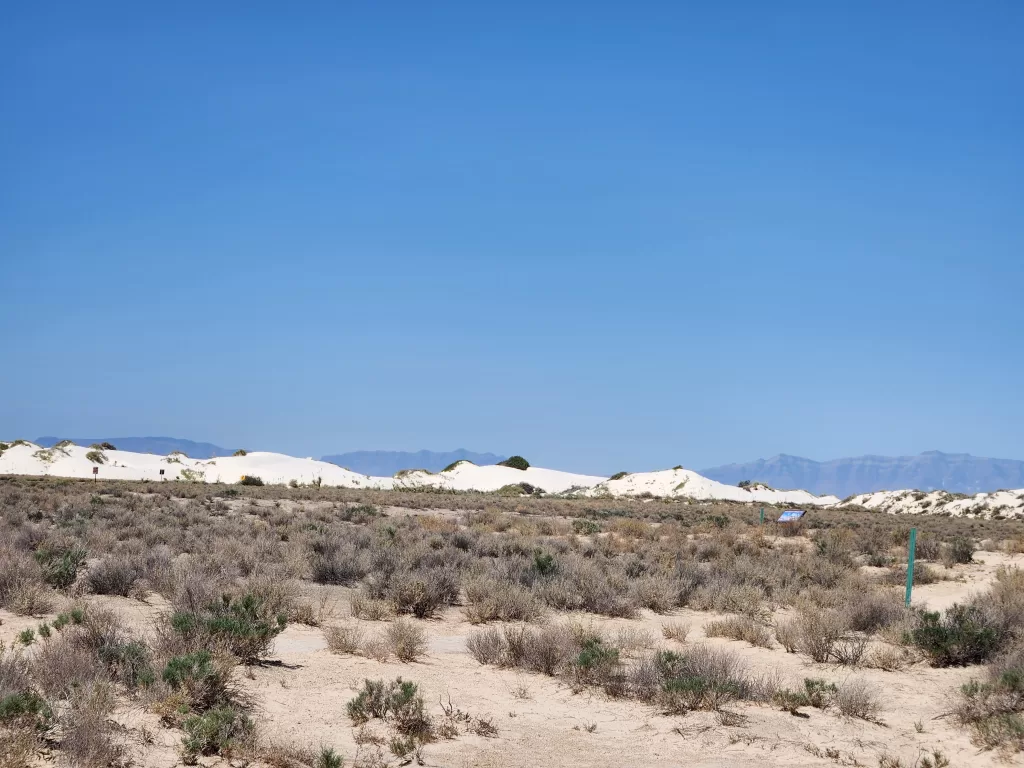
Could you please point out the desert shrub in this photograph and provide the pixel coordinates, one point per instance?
(787, 632)
(129, 663)
(251, 480)
(547, 650)
(96, 457)
(655, 593)
(397, 702)
(348, 638)
(243, 626)
(240, 452)
(888, 658)
(335, 561)
(406, 640)
(516, 462)
(963, 635)
(60, 563)
(518, 489)
(856, 698)
(958, 552)
(597, 663)
(486, 646)
(994, 708)
(923, 574)
(740, 628)
(104, 446)
(328, 758)
(363, 607)
(849, 650)
(819, 693)
(818, 631)
(489, 599)
(873, 611)
(222, 731)
(422, 592)
(704, 678)
(585, 527)
(619, 475)
(675, 630)
(113, 576)
(204, 680)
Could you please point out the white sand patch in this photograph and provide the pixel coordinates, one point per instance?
(908, 502)
(688, 484)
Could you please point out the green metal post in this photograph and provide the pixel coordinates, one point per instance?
(911, 549)
(762, 515)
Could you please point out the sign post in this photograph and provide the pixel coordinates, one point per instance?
(911, 550)
(762, 515)
(95, 473)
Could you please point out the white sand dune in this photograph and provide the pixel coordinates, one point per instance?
(688, 484)
(909, 502)
(277, 468)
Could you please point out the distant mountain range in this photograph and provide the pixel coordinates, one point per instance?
(930, 471)
(161, 446)
(386, 463)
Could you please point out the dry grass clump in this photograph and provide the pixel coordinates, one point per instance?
(675, 630)
(406, 640)
(490, 599)
(700, 678)
(857, 698)
(994, 708)
(347, 638)
(363, 607)
(740, 628)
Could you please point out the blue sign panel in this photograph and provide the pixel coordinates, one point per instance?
(790, 515)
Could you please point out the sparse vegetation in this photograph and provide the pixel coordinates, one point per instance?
(240, 452)
(96, 457)
(233, 563)
(251, 480)
(516, 462)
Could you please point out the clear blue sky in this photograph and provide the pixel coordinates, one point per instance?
(607, 236)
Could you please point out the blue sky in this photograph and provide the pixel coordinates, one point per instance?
(606, 236)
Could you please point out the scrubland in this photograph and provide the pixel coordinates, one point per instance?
(153, 624)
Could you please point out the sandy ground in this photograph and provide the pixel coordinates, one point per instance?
(300, 698)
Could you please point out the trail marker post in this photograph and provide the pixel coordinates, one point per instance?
(762, 515)
(911, 549)
(95, 472)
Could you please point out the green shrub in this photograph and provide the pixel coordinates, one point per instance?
(516, 462)
(96, 457)
(250, 480)
(994, 709)
(454, 464)
(240, 452)
(398, 702)
(619, 475)
(960, 551)
(129, 662)
(203, 680)
(243, 626)
(60, 563)
(519, 489)
(964, 635)
(328, 758)
(585, 527)
(24, 705)
(544, 563)
(220, 731)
